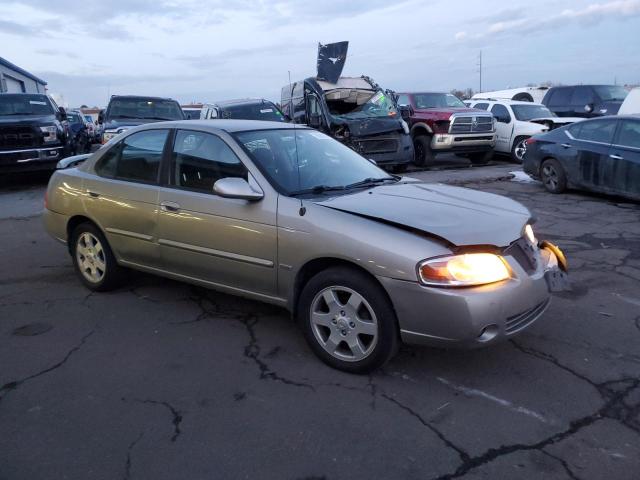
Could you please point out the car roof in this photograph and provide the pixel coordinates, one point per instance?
(226, 125)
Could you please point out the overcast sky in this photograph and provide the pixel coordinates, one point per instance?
(209, 50)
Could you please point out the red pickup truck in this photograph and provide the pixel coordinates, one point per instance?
(440, 123)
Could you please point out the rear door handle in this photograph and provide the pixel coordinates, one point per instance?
(93, 194)
(616, 157)
(566, 145)
(170, 207)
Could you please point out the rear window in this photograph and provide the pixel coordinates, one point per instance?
(144, 109)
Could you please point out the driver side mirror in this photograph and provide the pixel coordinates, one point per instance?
(588, 107)
(235, 187)
(101, 117)
(315, 120)
(406, 111)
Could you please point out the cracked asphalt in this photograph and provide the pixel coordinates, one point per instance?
(161, 380)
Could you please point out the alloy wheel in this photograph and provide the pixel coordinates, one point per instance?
(91, 257)
(550, 177)
(344, 323)
(521, 149)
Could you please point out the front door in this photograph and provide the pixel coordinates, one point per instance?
(226, 242)
(123, 201)
(504, 128)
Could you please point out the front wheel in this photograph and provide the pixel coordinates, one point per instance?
(93, 259)
(423, 155)
(348, 320)
(519, 149)
(553, 176)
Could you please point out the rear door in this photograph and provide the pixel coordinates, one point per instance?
(623, 173)
(123, 197)
(592, 140)
(224, 241)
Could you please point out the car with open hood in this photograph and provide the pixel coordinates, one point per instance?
(285, 214)
(127, 111)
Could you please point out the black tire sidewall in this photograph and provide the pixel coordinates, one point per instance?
(377, 298)
(423, 142)
(562, 176)
(113, 271)
(516, 142)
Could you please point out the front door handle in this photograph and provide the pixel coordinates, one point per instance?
(566, 145)
(616, 157)
(170, 207)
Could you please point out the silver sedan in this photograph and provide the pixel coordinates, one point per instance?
(287, 215)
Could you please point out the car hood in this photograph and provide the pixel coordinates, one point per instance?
(445, 113)
(459, 216)
(27, 119)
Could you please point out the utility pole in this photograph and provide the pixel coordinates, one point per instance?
(480, 70)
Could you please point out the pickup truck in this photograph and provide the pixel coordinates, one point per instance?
(441, 123)
(34, 132)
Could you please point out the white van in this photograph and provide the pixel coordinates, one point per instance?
(631, 104)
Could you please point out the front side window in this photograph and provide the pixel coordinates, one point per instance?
(600, 131)
(304, 159)
(200, 159)
(501, 113)
(629, 134)
(437, 100)
(136, 158)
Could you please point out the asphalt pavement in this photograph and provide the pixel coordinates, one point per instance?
(162, 380)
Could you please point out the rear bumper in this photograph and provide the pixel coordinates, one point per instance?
(450, 142)
(55, 224)
(30, 159)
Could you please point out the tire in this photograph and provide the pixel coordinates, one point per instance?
(519, 149)
(553, 176)
(423, 156)
(481, 158)
(358, 313)
(523, 97)
(93, 259)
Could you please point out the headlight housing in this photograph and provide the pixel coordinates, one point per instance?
(529, 235)
(465, 270)
(50, 134)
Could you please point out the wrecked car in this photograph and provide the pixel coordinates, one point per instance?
(600, 155)
(354, 111)
(362, 259)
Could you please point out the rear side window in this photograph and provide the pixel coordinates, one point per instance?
(201, 159)
(629, 135)
(136, 158)
(560, 97)
(581, 96)
(600, 131)
(481, 106)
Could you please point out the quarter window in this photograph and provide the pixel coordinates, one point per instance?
(136, 158)
(200, 159)
(600, 131)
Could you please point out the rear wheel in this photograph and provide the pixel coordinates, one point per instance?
(93, 259)
(481, 158)
(519, 149)
(553, 176)
(423, 155)
(348, 320)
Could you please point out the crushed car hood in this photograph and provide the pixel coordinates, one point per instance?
(459, 216)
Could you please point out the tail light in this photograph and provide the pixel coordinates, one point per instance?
(531, 141)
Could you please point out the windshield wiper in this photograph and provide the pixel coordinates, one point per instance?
(317, 189)
(368, 182)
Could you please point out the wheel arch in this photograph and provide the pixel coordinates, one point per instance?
(76, 220)
(420, 129)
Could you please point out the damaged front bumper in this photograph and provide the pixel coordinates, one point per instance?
(386, 149)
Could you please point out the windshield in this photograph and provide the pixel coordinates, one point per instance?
(25, 105)
(320, 161)
(351, 106)
(608, 93)
(437, 100)
(74, 118)
(530, 112)
(257, 111)
(144, 109)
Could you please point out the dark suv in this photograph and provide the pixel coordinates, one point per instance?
(126, 111)
(244, 109)
(585, 100)
(34, 132)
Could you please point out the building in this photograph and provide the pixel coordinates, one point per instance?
(14, 79)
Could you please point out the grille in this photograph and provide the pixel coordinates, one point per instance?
(388, 145)
(524, 253)
(522, 320)
(475, 124)
(14, 137)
